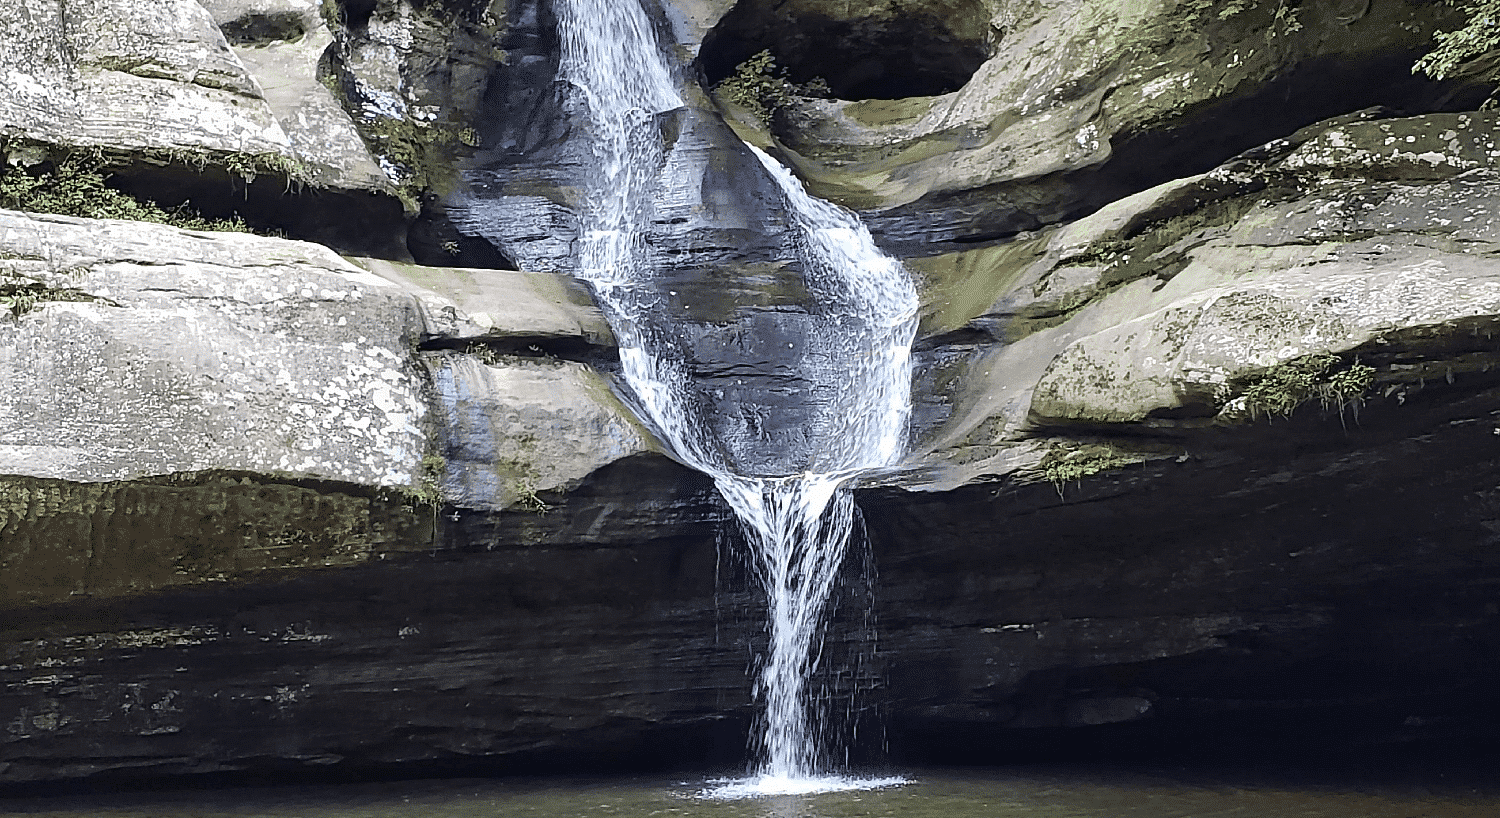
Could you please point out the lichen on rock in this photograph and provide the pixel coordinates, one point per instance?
(201, 351)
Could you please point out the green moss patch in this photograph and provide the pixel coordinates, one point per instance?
(1070, 464)
(60, 539)
(422, 153)
(77, 185)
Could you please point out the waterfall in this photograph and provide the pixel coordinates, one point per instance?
(857, 357)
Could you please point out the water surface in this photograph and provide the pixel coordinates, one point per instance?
(932, 794)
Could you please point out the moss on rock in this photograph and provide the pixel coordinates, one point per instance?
(1067, 463)
(77, 185)
(60, 539)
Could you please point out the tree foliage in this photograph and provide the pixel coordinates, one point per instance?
(1471, 50)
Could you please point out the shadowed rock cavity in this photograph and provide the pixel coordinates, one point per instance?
(880, 50)
(261, 29)
(358, 222)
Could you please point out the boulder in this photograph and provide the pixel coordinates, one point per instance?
(167, 108)
(154, 371)
(501, 308)
(153, 78)
(514, 429)
(281, 44)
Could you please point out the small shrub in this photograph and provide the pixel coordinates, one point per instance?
(1193, 15)
(429, 490)
(21, 301)
(527, 499)
(759, 85)
(486, 355)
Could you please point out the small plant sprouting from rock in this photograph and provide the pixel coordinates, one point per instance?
(759, 85)
(520, 470)
(20, 295)
(1195, 14)
(429, 490)
(527, 498)
(486, 355)
(20, 301)
(1281, 389)
(247, 166)
(1286, 17)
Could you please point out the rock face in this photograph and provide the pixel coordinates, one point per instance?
(153, 77)
(182, 112)
(138, 351)
(288, 359)
(1174, 310)
(1141, 360)
(280, 44)
(1077, 104)
(1204, 393)
(418, 653)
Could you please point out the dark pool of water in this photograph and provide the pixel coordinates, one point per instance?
(1004, 793)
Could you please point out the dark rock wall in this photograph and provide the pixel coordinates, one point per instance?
(862, 51)
(526, 637)
(1330, 587)
(1328, 582)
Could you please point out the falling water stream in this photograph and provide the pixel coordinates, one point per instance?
(857, 357)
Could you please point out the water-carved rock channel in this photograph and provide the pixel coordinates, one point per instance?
(850, 361)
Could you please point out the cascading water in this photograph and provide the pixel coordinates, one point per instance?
(857, 359)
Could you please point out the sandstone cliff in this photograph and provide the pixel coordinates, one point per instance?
(1204, 394)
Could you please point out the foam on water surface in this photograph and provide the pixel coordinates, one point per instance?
(761, 786)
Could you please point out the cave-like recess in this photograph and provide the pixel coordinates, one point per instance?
(879, 51)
